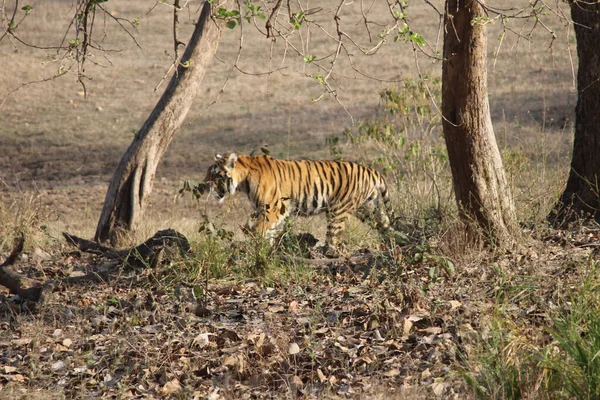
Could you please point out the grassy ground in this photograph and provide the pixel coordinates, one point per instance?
(432, 317)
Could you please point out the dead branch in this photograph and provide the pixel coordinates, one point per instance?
(142, 255)
(26, 288)
(149, 253)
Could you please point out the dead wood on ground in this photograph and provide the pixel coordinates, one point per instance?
(163, 244)
(143, 255)
(25, 287)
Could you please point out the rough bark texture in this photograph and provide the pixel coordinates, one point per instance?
(483, 198)
(581, 196)
(132, 181)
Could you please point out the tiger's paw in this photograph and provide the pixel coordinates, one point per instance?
(337, 251)
(331, 251)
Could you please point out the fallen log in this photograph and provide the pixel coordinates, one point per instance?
(149, 253)
(143, 255)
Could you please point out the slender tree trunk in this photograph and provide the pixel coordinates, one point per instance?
(132, 181)
(581, 197)
(484, 200)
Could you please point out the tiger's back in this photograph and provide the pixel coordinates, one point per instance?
(316, 186)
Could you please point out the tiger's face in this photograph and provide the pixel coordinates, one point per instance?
(221, 176)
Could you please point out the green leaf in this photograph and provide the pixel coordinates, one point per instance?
(417, 38)
(231, 24)
(198, 292)
(400, 15)
(319, 78)
(27, 8)
(297, 20)
(309, 59)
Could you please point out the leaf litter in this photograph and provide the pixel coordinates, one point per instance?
(352, 331)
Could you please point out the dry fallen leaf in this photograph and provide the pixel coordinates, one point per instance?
(58, 365)
(454, 304)
(9, 370)
(434, 330)
(293, 348)
(407, 326)
(321, 375)
(391, 373)
(201, 340)
(438, 388)
(21, 342)
(14, 378)
(171, 387)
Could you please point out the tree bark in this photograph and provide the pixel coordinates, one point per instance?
(484, 200)
(133, 178)
(581, 197)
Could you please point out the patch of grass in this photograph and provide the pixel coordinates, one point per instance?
(24, 216)
(575, 359)
(505, 366)
(403, 140)
(559, 358)
(215, 256)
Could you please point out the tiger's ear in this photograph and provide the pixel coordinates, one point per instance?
(231, 160)
(218, 157)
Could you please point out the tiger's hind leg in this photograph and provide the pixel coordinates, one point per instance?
(336, 222)
(377, 210)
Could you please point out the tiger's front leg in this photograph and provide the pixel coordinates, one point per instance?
(267, 220)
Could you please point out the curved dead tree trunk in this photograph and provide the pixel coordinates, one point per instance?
(132, 181)
(581, 197)
(483, 198)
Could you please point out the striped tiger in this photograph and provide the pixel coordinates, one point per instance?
(278, 188)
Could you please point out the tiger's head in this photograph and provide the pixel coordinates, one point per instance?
(221, 177)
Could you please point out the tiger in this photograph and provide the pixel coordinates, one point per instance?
(277, 188)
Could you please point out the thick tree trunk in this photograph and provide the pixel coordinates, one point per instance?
(132, 181)
(581, 197)
(483, 198)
